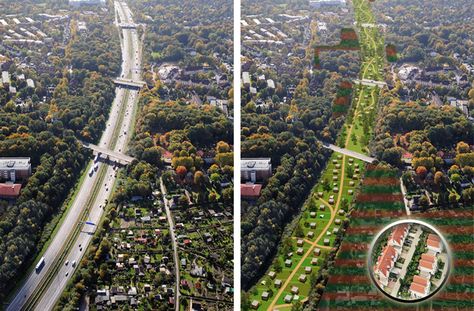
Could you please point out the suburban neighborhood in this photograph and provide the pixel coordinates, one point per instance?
(411, 261)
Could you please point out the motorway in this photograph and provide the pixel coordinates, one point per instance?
(42, 289)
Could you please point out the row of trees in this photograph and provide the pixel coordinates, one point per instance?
(289, 135)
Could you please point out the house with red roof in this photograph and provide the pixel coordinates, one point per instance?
(9, 191)
(428, 264)
(250, 191)
(434, 243)
(420, 287)
(407, 158)
(398, 236)
(167, 156)
(385, 264)
(428, 257)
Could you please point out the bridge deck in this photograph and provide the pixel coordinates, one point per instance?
(129, 83)
(120, 157)
(350, 153)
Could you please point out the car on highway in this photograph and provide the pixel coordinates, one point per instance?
(67, 273)
(66, 263)
(73, 264)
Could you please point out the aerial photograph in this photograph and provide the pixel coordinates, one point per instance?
(116, 155)
(409, 261)
(357, 114)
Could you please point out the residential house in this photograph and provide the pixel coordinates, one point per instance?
(9, 191)
(398, 235)
(434, 243)
(385, 264)
(420, 287)
(427, 267)
(246, 79)
(250, 191)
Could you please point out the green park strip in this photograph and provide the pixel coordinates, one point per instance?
(322, 216)
(331, 198)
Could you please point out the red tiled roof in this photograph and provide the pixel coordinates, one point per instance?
(250, 190)
(398, 233)
(433, 237)
(433, 243)
(420, 280)
(428, 257)
(417, 288)
(426, 264)
(10, 190)
(384, 262)
(167, 154)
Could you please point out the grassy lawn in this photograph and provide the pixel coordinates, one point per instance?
(316, 212)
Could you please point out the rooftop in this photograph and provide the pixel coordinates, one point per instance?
(250, 190)
(428, 257)
(426, 264)
(255, 164)
(399, 233)
(415, 287)
(14, 163)
(420, 280)
(10, 190)
(385, 260)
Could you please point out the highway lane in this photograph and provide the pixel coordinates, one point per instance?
(131, 59)
(131, 98)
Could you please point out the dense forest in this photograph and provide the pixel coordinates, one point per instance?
(418, 123)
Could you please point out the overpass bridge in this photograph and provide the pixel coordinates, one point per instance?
(109, 155)
(372, 83)
(129, 83)
(349, 153)
(128, 26)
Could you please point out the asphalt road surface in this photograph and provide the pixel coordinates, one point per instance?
(131, 58)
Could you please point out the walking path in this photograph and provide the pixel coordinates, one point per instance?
(175, 246)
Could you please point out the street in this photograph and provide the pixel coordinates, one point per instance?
(175, 246)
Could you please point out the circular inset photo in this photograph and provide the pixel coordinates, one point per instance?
(409, 261)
